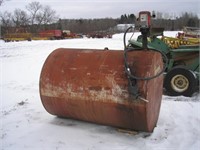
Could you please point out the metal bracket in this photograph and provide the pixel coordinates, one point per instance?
(132, 86)
(133, 89)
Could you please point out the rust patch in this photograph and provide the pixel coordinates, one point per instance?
(95, 88)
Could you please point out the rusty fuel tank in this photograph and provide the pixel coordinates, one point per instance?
(91, 85)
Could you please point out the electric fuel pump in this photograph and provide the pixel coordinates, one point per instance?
(144, 21)
(144, 25)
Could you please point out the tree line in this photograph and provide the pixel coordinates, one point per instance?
(34, 17)
(37, 17)
(108, 24)
(173, 22)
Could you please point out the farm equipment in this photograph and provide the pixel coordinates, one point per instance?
(42, 35)
(67, 34)
(17, 37)
(99, 35)
(110, 87)
(182, 71)
(51, 34)
(189, 32)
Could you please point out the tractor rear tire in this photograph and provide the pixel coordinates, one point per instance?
(180, 81)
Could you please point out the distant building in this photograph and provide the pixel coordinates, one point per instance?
(123, 27)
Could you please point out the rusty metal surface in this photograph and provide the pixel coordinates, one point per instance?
(91, 85)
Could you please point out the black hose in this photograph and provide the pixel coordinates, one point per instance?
(124, 38)
(127, 68)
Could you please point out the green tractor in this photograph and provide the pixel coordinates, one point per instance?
(182, 67)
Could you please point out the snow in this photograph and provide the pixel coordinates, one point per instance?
(26, 125)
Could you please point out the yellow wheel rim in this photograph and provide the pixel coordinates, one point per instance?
(179, 83)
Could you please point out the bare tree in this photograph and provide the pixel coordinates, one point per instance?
(20, 18)
(6, 19)
(2, 1)
(34, 9)
(5, 22)
(40, 14)
(46, 16)
(159, 15)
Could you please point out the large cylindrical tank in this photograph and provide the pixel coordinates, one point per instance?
(91, 85)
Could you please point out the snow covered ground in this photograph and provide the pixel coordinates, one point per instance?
(24, 124)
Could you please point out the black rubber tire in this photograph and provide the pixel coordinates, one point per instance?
(29, 39)
(180, 81)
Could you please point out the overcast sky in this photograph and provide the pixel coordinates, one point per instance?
(108, 8)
